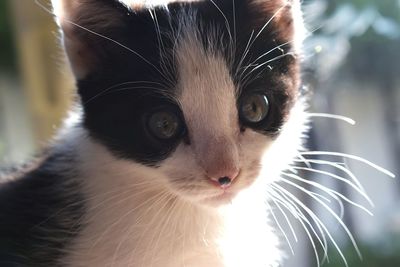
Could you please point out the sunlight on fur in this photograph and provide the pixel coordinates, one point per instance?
(164, 163)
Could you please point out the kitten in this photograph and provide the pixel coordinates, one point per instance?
(189, 112)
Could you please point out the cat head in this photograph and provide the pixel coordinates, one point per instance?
(202, 92)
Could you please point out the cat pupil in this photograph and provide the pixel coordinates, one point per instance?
(164, 125)
(254, 108)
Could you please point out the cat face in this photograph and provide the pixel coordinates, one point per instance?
(200, 91)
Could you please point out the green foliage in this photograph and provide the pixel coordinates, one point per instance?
(7, 47)
(365, 34)
(387, 8)
(378, 255)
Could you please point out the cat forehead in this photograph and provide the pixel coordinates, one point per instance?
(249, 27)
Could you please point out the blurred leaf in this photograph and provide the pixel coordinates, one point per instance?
(350, 30)
(7, 47)
(379, 255)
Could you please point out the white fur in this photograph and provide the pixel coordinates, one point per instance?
(208, 101)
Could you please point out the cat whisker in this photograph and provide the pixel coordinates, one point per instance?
(162, 51)
(291, 210)
(151, 226)
(253, 64)
(298, 214)
(161, 45)
(252, 40)
(361, 191)
(234, 22)
(110, 89)
(228, 27)
(353, 157)
(151, 91)
(264, 64)
(75, 203)
(165, 223)
(117, 194)
(334, 194)
(337, 218)
(304, 160)
(272, 60)
(269, 21)
(244, 55)
(315, 218)
(185, 222)
(166, 198)
(155, 198)
(120, 194)
(342, 168)
(156, 227)
(280, 227)
(332, 116)
(278, 47)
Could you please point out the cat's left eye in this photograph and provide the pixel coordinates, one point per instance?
(164, 124)
(254, 108)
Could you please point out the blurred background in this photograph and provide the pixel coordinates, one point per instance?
(352, 68)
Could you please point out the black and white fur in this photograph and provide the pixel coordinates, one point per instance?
(106, 194)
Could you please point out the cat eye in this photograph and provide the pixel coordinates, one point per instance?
(254, 108)
(164, 124)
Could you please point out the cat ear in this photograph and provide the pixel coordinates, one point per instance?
(286, 15)
(84, 25)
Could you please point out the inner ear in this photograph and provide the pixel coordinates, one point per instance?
(86, 26)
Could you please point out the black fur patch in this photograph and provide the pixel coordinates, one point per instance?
(40, 214)
(123, 86)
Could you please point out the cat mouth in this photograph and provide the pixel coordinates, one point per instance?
(225, 197)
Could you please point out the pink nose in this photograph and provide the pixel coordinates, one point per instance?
(224, 181)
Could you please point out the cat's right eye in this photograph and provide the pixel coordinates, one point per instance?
(164, 124)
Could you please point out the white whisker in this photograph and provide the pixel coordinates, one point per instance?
(226, 20)
(304, 160)
(299, 215)
(280, 227)
(267, 62)
(344, 155)
(337, 177)
(332, 116)
(251, 41)
(334, 194)
(161, 91)
(343, 169)
(340, 221)
(157, 197)
(303, 219)
(312, 214)
(270, 20)
(285, 216)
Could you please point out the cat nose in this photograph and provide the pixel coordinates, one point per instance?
(224, 181)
